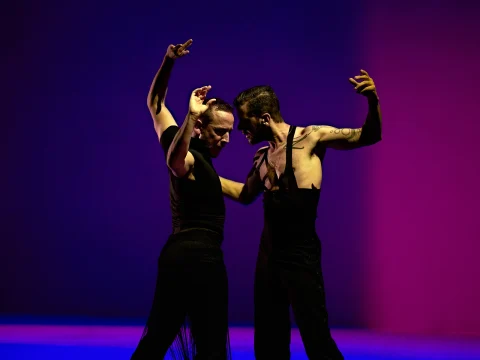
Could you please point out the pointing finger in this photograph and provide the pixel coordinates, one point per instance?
(185, 45)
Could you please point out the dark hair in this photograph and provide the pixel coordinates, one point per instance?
(218, 105)
(259, 99)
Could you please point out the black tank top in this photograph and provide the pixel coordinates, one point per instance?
(289, 216)
(195, 203)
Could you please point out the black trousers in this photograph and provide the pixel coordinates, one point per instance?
(191, 281)
(279, 285)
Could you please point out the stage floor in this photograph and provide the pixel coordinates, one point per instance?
(93, 342)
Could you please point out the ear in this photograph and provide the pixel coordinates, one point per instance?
(265, 119)
(197, 129)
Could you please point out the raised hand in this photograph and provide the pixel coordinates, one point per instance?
(179, 50)
(366, 86)
(196, 106)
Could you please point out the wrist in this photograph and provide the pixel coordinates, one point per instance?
(192, 116)
(168, 60)
(373, 99)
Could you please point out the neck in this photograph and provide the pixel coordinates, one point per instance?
(279, 134)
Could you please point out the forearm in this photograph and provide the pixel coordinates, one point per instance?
(244, 193)
(232, 189)
(158, 88)
(181, 142)
(372, 128)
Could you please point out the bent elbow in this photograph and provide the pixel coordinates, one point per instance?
(150, 100)
(375, 140)
(371, 140)
(154, 106)
(175, 169)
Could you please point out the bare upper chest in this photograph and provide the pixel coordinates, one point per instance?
(306, 166)
(304, 158)
(276, 160)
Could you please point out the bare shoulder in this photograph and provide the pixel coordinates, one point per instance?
(307, 137)
(312, 129)
(319, 133)
(260, 152)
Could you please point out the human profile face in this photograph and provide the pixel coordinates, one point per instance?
(250, 126)
(216, 133)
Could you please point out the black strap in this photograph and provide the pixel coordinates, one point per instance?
(288, 181)
(291, 134)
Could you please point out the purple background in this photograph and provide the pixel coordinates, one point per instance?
(85, 210)
(424, 248)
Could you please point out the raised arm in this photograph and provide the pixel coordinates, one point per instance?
(162, 118)
(179, 159)
(247, 192)
(347, 139)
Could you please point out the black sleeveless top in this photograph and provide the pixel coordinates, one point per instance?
(195, 203)
(289, 216)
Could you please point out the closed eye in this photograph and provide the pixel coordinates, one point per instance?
(221, 132)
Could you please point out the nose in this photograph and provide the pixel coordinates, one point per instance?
(226, 138)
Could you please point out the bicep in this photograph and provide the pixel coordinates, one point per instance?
(338, 138)
(185, 168)
(163, 120)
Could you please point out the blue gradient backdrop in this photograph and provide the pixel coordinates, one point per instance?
(85, 208)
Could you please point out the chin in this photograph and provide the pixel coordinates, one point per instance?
(254, 139)
(215, 153)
